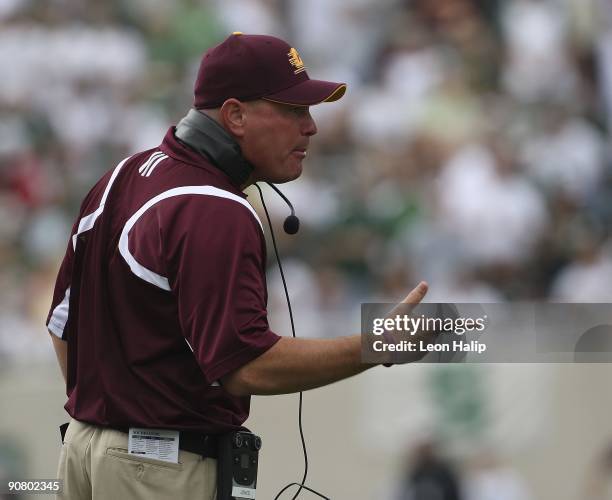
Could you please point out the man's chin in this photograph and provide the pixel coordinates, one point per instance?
(290, 175)
(287, 173)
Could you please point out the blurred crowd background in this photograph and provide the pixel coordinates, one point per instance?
(472, 148)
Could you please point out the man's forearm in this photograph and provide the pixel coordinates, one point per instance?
(61, 351)
(296, 364)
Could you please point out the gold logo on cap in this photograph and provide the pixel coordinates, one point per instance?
(296, 61)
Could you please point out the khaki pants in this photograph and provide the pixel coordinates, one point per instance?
(94, 464)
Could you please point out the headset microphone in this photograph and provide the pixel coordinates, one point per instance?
(292, 223)
(204, 135)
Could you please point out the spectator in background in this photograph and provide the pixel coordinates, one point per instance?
(429, 476)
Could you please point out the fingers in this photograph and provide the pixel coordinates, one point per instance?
(406, 306)
(416, 295)
(412, 299)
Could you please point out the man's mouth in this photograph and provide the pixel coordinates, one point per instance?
(299, 152)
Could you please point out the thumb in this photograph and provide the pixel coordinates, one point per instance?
(417, 294)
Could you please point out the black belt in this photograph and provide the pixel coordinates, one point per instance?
(194, 442)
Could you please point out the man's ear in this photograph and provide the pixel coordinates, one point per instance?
(233, 116)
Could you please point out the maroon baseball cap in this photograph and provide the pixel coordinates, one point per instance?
(249, 67)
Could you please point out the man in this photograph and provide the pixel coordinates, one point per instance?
(159, 312)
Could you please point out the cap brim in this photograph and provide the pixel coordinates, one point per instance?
(309, 93)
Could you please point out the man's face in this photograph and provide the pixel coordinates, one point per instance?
(275, 139)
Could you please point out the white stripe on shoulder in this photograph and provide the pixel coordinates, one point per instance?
(87, 222)
(151, 158)
(59, 317)
(140, 270)
(149, 171)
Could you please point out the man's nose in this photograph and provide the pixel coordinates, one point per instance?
(309, 127)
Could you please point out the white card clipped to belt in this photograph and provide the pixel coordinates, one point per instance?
(243, 493)
(160, 444)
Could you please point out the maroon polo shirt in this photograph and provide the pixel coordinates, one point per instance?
(161, 293)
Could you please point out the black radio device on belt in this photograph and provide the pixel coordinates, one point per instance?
(237, 460)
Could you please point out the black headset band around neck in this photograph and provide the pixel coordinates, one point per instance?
(205, 136)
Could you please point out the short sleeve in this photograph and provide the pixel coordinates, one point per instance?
(212, 252)
(58, 313)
